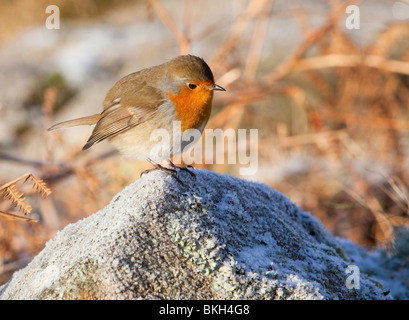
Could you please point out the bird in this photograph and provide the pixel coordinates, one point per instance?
(177, 91)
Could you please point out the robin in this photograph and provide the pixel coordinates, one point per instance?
(153, 98)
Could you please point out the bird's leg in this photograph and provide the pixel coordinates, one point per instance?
(157, 166)
(186, 169)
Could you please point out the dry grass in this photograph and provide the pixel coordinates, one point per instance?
(16, 15)
(342, 106)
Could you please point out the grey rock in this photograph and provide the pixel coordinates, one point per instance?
(212, 237)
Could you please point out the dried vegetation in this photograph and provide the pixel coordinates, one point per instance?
(339, 107)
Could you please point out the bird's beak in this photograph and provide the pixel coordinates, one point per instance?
(217, 87)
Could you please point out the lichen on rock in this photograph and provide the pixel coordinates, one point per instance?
(212, 237)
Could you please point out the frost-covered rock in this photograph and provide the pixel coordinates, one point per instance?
(212, 237)
(390, 267)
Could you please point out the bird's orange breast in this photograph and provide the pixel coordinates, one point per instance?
(193, 107)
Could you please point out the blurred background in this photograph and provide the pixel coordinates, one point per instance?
(330, 102)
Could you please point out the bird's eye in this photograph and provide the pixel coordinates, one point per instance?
(192, 86)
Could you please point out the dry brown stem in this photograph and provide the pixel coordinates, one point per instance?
(17, 198)
(257, 41)
(349, 60)
(311, 38)
(184, 43)
(254, 8)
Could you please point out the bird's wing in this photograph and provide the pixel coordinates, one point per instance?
(126, 113)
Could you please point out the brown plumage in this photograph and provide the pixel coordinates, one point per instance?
(180, 89)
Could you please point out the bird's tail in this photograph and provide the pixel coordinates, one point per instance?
(77, 122)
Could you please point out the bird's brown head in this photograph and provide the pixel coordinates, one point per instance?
(192, 89)
(191, 72)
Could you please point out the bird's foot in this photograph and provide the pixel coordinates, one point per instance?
(157, 166)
